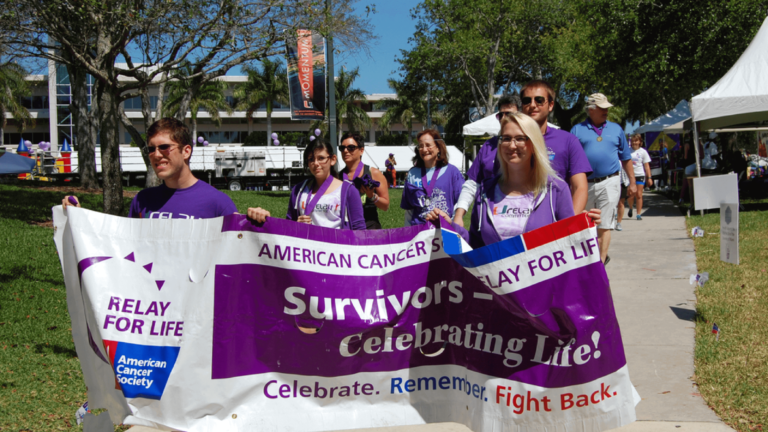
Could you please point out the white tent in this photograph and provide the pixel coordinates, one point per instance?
(678, 127)
(487, 126)
(741, 95)
(679, 114)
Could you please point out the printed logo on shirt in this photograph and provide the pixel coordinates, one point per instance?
(164, 215)
(324, 208)
(511, 212)
(551, 153)
(436, 201)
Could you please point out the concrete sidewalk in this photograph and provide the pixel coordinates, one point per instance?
(651, 261)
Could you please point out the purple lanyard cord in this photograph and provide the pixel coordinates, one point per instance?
(320, 192)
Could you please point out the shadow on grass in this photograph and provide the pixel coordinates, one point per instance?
(29, 204)
(25, 273)
(55, 349)
(275, 194)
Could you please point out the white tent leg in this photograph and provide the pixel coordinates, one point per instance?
(696, 149)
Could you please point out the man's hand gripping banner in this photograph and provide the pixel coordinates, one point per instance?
(228, 325)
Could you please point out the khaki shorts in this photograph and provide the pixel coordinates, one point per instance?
(605, 196)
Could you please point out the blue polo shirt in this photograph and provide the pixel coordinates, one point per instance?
(604, 156)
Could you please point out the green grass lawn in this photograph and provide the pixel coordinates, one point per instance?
(41, 384)
(732, 374)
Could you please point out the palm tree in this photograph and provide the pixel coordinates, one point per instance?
(263, 87)
(210, 97)
(405, 109)
(12, 88)
(347, 111)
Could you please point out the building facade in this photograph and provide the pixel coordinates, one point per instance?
(51, 96)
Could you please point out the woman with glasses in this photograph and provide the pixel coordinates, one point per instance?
(432, 183)
(527, 194)
(374, 198)
(323, 199)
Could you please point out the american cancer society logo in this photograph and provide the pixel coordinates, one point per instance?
(141, 370)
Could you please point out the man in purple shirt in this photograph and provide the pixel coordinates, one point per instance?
(485, 165)
(182, 196)
(566, 155)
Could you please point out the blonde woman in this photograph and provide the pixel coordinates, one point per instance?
(527, 194)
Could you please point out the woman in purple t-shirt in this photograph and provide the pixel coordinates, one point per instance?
(432, 183)
(526, 195)
(323, 199)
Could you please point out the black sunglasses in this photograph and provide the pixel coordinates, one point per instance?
(501, 114)
(349, 148)
(164, 148)
(540, 100)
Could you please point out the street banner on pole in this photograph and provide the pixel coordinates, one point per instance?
(224, 324)
(306, 75)
(729, 233)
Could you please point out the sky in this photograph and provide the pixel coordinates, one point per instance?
(393, 24)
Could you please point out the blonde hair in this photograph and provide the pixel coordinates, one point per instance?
(540, 167)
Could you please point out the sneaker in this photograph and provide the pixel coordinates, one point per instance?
(630, 212)
(618, 227)
(639, 217)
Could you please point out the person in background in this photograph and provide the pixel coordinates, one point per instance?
(607, 150)
(182, 195)
(391, 172)
(526, 195)
(664, 165)
(432, 183)
(374, 198)
(322, 200)
(641, 163)
(485, 165)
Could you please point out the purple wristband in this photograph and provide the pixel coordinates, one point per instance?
(72, 200)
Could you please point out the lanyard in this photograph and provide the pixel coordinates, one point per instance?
(429, 187)
(358, 170)
(320, 192)
(598, 131)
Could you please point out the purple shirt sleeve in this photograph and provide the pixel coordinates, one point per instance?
(293, 214)
(133, 211)
(563, 203)
(486, 156)
(578, 162)
(458, 182)
(354, 208)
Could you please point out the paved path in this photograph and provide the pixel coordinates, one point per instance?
(651, 261)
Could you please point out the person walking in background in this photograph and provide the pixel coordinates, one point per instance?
(391, 172)
(322, 200)
(641, 163)
(374, 198)
(527, 194)
(607, 150)
(432, 183)
(485, 165)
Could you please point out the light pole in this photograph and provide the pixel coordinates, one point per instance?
(331, 82)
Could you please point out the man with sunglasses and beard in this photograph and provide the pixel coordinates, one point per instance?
(485, 165)
(566, 155)
(182, 195)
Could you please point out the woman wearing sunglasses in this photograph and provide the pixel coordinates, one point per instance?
(432, 183)
(323, 199)
(527, 194)
(363, 177)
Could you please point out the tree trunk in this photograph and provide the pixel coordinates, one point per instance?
(151, 179)
(110, 148)
(269, 128)
(2, 125)
(84, 137)
(194, 130)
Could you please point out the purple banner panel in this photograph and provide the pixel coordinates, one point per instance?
(556, 333)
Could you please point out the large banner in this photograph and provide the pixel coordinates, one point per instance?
(224, 324)
(306, 75)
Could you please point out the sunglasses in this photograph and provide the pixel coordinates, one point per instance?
(349, 148)
(164, 149)
(501, 114)
(540, 100)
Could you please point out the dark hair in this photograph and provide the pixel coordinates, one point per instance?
(178, 131)
(442, 155)
(510, 99)
(355, 136)
(319, 144)
(539, 84)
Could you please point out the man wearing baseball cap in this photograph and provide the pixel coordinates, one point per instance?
(607, 150)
